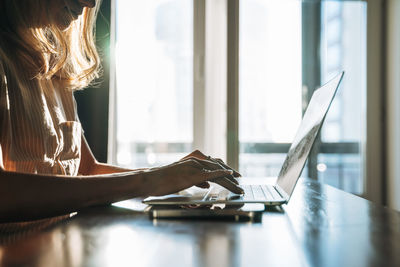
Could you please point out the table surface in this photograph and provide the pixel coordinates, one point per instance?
(321, 226)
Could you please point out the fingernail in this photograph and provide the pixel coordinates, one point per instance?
(241, 191)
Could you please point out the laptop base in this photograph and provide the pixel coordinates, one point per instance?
(262, 194)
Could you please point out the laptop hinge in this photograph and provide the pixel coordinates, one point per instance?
(281, 192)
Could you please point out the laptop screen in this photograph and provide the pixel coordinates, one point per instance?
(306, 134)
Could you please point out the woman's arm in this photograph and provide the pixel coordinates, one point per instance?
(26, 196)
(29, 196)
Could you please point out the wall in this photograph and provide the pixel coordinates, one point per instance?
(93, 101)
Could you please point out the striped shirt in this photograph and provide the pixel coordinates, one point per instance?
(40, 129)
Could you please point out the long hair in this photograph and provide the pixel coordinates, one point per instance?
(30, 51)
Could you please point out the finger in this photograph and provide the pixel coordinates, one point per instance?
(218, 166)
(235, 173)
(193, 162)
(207, 164)
(203, 185)
(212, 175)
(232, 179)
(222, 181)
(221, 164)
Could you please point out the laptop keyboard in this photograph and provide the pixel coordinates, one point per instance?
(260, 192)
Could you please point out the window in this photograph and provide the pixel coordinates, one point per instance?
(276, 83)
(343, 47)
(154, 59)
(270, 83)
(286, 50)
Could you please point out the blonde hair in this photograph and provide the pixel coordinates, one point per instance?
(32, 51)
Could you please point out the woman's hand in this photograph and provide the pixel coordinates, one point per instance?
(188, 172)
(229, 182)
(199, 155)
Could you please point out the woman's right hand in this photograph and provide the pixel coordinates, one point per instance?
(186, 173)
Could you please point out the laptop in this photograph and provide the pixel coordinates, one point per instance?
(268, 194)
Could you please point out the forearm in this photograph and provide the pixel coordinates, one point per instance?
(28, 196)
(103, 168)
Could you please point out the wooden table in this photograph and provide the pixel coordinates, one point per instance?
(321, 226)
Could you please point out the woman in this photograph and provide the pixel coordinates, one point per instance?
(46, 166)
